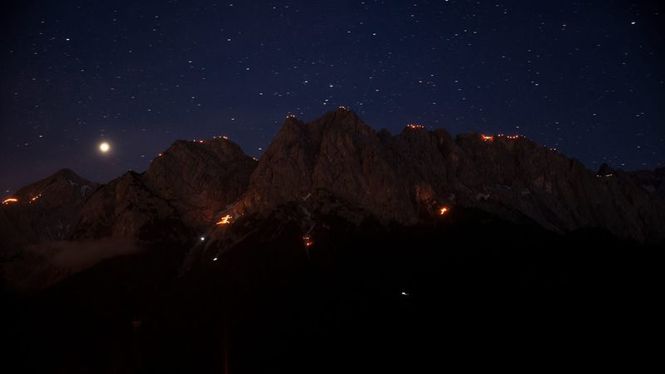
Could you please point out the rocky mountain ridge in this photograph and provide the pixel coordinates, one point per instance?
(407, 178)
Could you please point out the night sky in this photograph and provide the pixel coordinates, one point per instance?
(585, 77)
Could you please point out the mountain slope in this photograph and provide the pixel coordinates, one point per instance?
(64, 224)
(45, 210)
(179, 195)
(200, 178)
(337, 154)
(408, 177)
(126, 208)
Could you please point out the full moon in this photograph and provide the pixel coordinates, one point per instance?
(104, 147)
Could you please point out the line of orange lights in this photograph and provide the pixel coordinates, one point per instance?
(9, 200)
(444, 210)
(487, 138)
(415, 126)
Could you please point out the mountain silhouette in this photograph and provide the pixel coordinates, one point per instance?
(339, 247)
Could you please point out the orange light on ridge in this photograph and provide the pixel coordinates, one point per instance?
(9, 200)
(225, 220)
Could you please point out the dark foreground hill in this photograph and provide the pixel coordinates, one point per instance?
(341, 250)
(471, 291)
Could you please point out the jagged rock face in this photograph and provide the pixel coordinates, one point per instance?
(557, 192)
(181, 193)
(126, 208)
(404, 178)
(336, 154)
(45, 210)
(337, 164)
(200, 178)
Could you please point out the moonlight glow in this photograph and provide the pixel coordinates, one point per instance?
(104, 147)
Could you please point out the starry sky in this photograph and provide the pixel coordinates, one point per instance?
(585, 77)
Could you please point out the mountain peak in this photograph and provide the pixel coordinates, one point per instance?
(63, 179)
(65, 173)
(335, 155)
(46, 209)
(221, 142)
(292, 126)
(339, 120)
(200, 177)
(343, 118)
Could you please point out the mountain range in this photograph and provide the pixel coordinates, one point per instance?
(328, 199)
(339, 164)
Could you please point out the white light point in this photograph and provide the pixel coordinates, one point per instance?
(104, 147)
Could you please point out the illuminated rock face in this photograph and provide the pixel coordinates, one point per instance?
(182, 193)
(337, 164)
(336, 154)
(45, 210)
(400, 178)
(126, 208)
(200, 179)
